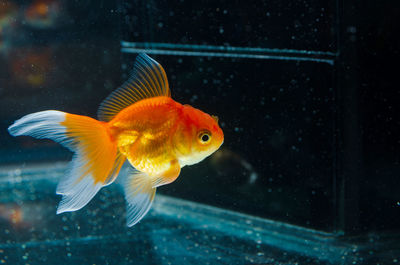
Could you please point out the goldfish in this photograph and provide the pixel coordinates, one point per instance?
(140, 123)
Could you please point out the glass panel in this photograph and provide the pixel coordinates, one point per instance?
(306, 97)
(299, 25)
(175, 231)
(307, 102)
(49, 63)
(278, 121)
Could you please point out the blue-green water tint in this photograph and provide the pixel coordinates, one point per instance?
(307, 100)
(174, 232)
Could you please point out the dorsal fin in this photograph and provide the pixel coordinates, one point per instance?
(147, 80)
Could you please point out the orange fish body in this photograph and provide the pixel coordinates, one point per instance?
(139, 122)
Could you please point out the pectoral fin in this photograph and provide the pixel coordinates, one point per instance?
(168, 176)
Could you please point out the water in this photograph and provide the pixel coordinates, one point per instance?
(174, 232)
(308, 172)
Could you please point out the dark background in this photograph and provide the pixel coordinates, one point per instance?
(306, 142)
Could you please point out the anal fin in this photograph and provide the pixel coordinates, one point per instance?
(139, 195)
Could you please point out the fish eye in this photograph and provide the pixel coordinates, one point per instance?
(204, 137)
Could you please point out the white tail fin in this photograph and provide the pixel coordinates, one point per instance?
(44, 124)
(96, 161)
